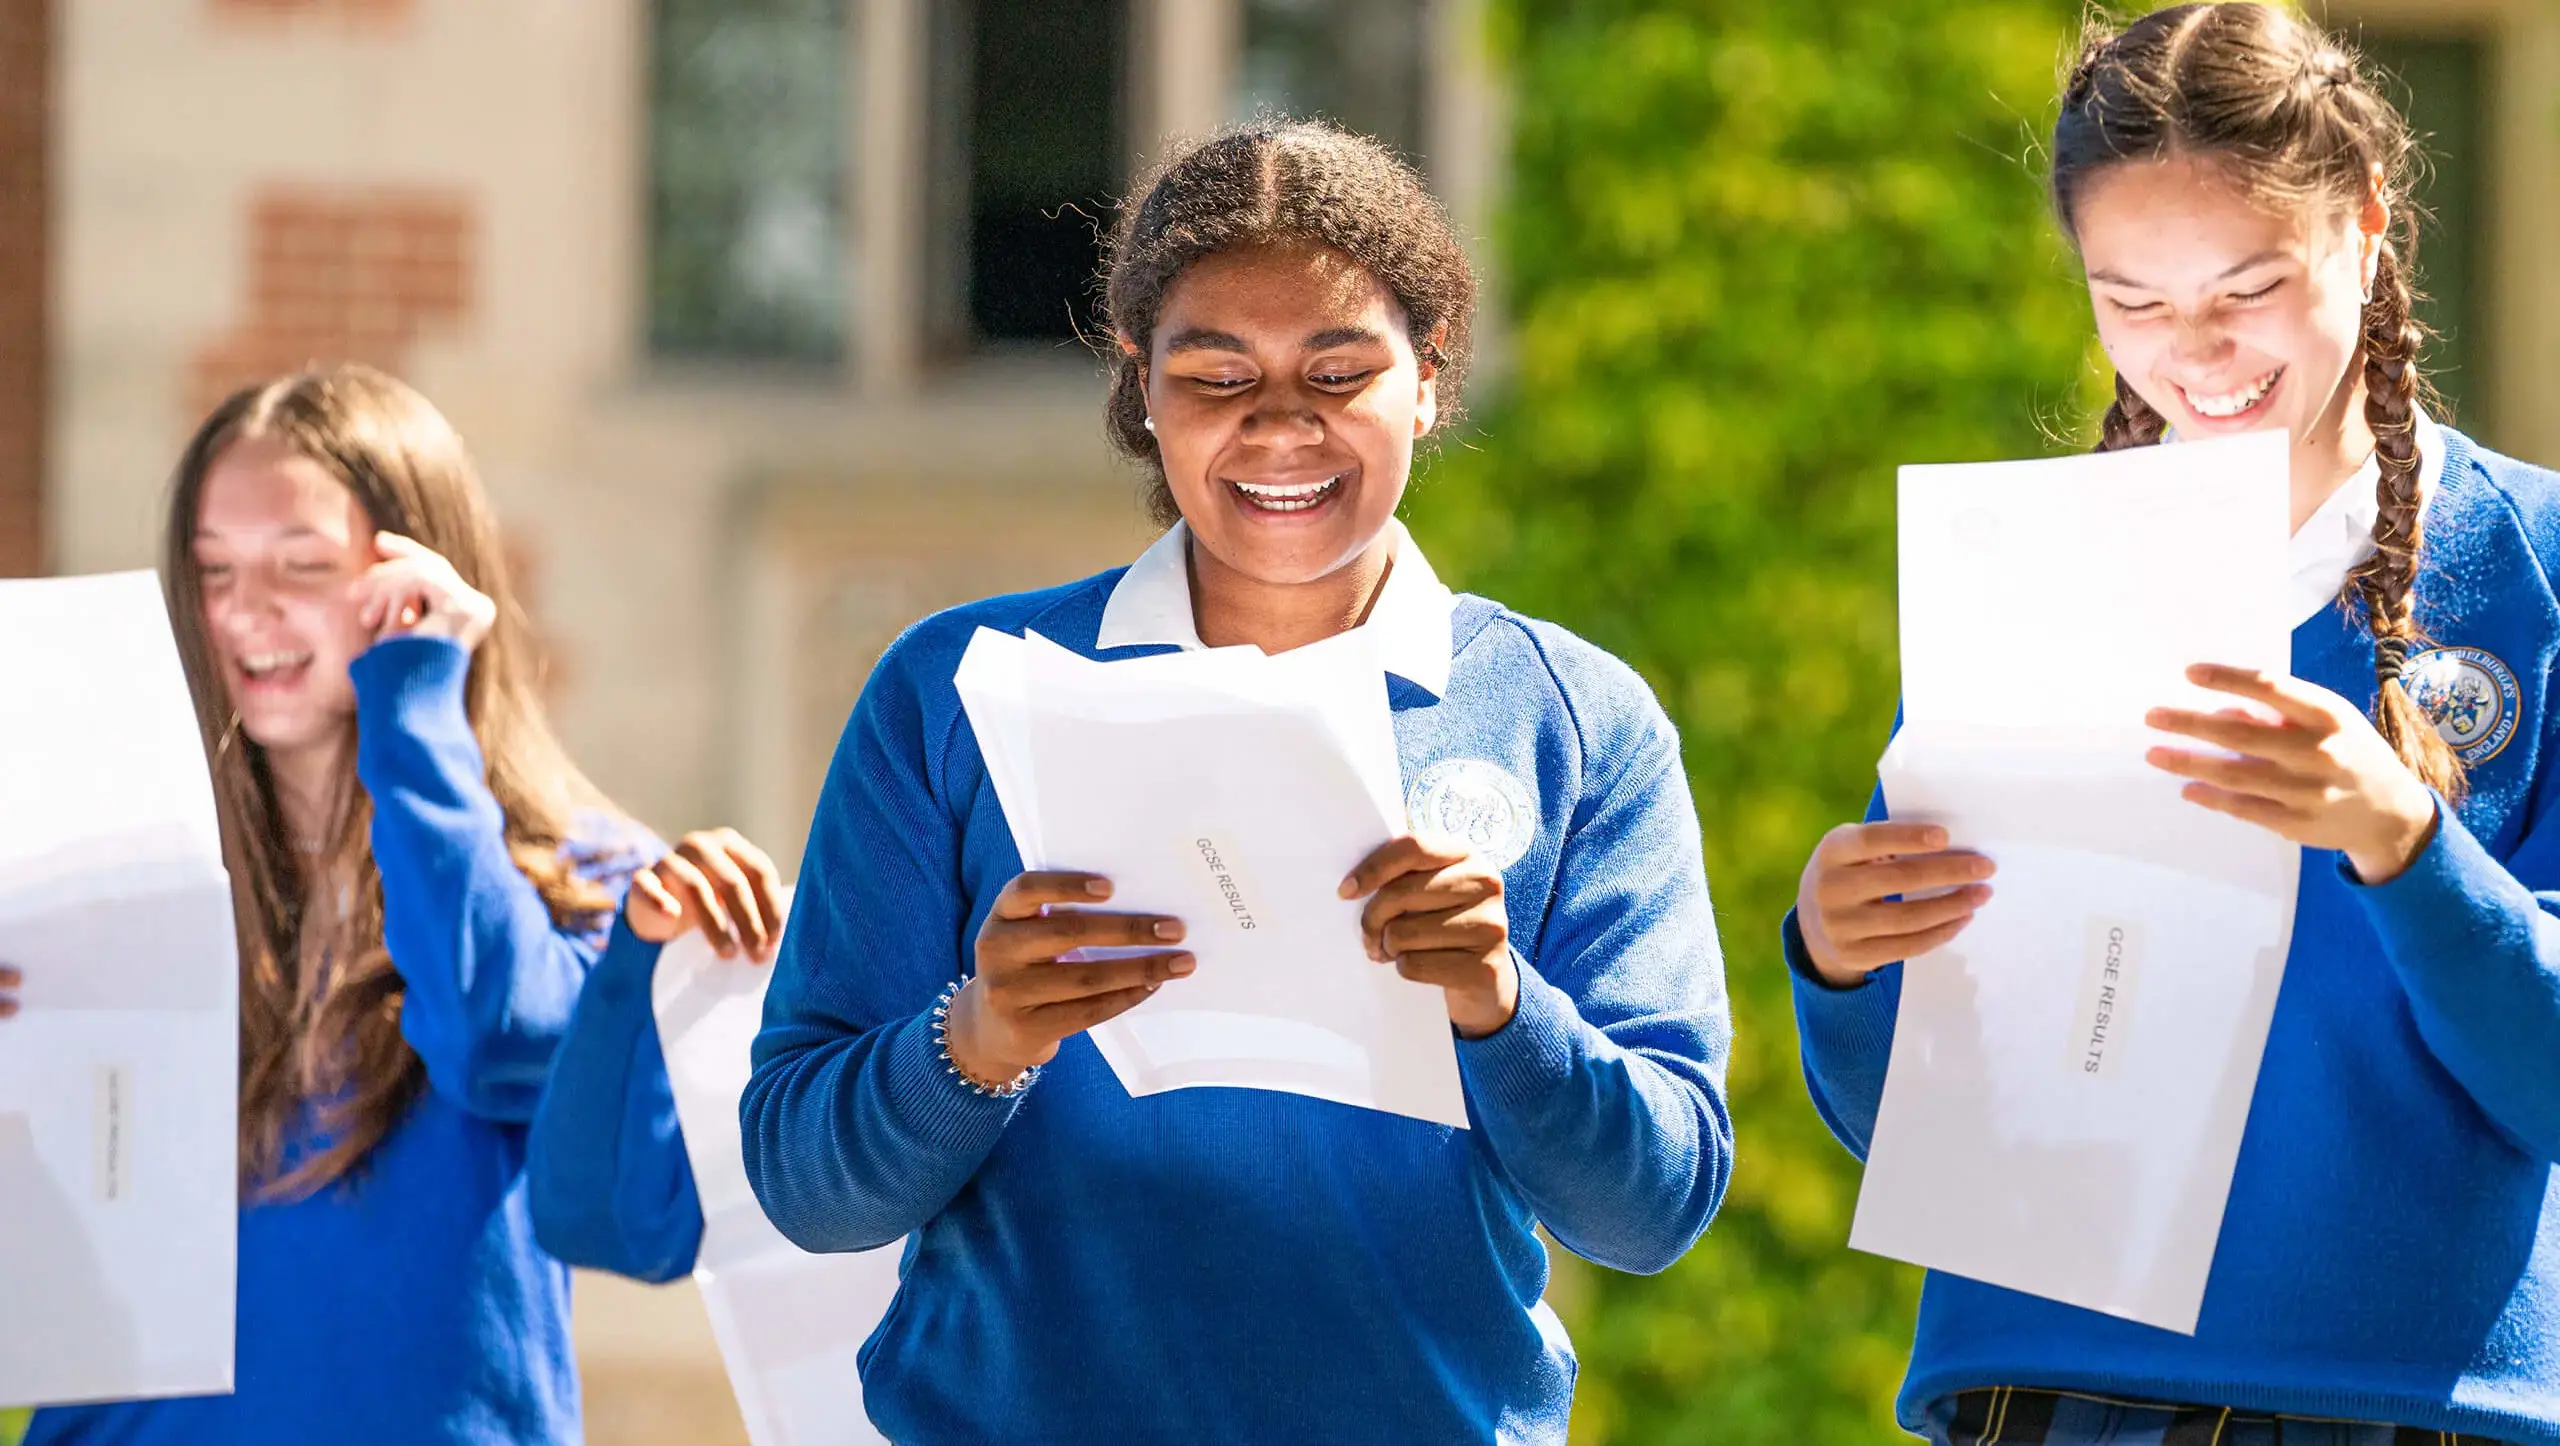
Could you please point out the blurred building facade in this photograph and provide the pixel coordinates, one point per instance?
(762, 316)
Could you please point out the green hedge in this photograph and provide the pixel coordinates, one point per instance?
(1754, 256)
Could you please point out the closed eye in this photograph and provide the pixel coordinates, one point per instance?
(2262, 293)
(1341, 379)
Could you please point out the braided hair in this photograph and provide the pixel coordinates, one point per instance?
(2287, 113)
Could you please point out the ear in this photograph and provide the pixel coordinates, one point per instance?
(1426, 401)
(2373, 227)
(1129, 348)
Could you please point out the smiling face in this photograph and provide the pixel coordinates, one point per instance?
(2223, 313)
(277, 541)
(1286, 398)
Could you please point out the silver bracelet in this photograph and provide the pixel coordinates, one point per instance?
(950, 1066)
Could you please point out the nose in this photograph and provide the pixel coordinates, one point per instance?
(1281, 421)
(2199, 342)
(248, 601)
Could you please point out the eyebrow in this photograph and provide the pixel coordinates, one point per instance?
(294, 533)
(2118, 279)
(1197, 339)
(1344, 336)
(1200, 339)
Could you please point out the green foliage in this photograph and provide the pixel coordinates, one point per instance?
(1755, 255)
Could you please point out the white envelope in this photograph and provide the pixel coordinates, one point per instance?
(1234, 791)
(790, 1324)
(2070, 1078)
(119, 1080)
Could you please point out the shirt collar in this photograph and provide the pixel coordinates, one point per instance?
(1409, 622)
(2336, 540)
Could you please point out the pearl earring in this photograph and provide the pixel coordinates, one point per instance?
(1151, 424)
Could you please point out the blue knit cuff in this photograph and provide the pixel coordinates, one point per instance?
(2441, 882)
(1531, 1055)
(398, 676)
(1833, 1022)
(1800, 959)
(625, 970)
(409, 695)
(932, 1099)
(2436, 862)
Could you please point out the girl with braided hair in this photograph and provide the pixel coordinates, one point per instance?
(2389, 1263)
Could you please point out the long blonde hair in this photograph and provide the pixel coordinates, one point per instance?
(322, 1059)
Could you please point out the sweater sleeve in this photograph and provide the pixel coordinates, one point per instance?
(1844, 1035)
(489, 977)
(606, 1173)
(855, 1133)
(1603, 1099)
(2476, 944)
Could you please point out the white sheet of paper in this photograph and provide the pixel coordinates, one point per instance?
(2070, 1077)
(119, 1079)
(1234, 791)
(789, 1323)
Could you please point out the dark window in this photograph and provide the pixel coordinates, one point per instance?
(747, 179)
(1355, 62)
(2442, 85)
(1030, 121)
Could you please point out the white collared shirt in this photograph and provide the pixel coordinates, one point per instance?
(2336, 540)
(1409, 622)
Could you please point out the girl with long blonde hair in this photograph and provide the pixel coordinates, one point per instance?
(422, 881)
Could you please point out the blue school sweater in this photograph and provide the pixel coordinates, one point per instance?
(1235, 1264)
(2391, 1249)
(606, 1172)
(408, 1302)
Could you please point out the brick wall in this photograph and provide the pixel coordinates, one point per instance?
(25, 107)
(340, 276)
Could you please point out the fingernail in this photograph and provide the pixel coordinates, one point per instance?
(1935, 838)
(1098, 888)
(1182, 964)
(1168, 928)
(1348, 889)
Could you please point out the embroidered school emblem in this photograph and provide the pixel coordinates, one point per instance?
(1475, 803)
(2471, 697)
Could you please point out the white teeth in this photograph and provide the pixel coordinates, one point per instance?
(1288, 499)
(260, 664)
(2237, 402)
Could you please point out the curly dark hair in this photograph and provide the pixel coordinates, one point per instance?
(1278, 181)
(2290, 115)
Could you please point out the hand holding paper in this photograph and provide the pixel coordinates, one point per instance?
(2310, 767)
(1028, 995)
(2085, 1048)
(1231, 793)
(1435, 911)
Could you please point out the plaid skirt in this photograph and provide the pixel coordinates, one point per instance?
(2014, 1416)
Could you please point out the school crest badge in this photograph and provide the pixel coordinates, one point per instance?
(1477, 804)
(2471, 697)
